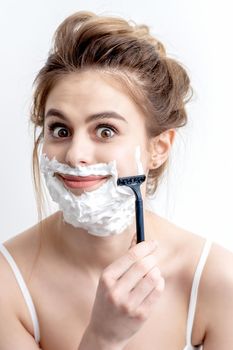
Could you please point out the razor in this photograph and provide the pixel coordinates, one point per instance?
(134, 183)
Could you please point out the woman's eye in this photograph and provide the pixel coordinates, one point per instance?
(59, 131)
(105, 132)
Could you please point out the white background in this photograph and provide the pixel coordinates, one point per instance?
(197, 193)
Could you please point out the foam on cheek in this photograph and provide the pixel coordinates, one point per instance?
(137, 158)
(53, 166)
(105, 211)
(138, 161)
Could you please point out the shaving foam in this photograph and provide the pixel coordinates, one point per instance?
(105, 211)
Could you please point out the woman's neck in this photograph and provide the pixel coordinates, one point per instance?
(94, 252)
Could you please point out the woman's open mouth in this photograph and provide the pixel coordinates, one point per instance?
(82, 182)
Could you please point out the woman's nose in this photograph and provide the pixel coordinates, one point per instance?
(80, 151)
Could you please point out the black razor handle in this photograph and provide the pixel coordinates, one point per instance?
(134, 183)
(139, 220)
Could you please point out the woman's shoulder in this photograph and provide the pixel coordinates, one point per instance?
(24, 249)
(214, 308)
(217, 283)
(16, 259)
(187, 247)
(21, 243)
(25, 245)
(21, 249)
(215, 298)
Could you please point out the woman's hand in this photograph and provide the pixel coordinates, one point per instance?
(127, 291)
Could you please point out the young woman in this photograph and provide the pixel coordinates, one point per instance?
(107, 104)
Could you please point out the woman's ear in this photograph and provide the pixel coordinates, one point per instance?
(160, 147)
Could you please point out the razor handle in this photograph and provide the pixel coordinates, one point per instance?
(139, 220)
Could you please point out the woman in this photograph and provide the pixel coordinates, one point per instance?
(107, 104)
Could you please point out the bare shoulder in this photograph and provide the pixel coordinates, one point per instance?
(14, 313)
(180, 252)
(217, 284)
(26, 246)
(215, 305)
(23, 248)
(214, 310)
(219, 263)
(217, 280)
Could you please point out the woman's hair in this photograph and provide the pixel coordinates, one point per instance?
(159, 85)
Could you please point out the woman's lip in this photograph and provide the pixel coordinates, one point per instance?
(82, 178)
(82, 182)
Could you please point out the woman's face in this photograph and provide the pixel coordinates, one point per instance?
(89, 119)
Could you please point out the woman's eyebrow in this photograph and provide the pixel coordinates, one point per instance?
(105, 115)
(53, 112)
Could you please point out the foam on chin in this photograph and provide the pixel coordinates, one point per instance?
(105, 211)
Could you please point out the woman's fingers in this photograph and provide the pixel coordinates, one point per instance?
(132, 300)
(135, 277)
(149, 301)
(121, 265)
(127, 291)
(141, 268)
(147, 290)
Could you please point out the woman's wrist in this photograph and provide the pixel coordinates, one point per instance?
(91, 341)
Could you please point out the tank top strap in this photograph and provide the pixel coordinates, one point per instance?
(194, 293)
(24, 290)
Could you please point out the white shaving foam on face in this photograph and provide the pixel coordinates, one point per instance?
(138, 161)
(105, 211)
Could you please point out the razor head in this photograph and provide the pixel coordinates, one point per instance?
(131, 180)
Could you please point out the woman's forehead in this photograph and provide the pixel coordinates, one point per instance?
(91, 92)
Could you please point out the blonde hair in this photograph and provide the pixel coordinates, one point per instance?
(157, 83)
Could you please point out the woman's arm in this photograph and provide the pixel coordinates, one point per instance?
(217, 300)
(12, 333)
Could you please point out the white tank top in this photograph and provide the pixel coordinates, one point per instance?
(192, 302)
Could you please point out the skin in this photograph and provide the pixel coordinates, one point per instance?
(89, 291)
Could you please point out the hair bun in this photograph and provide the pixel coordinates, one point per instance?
(143, 32)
